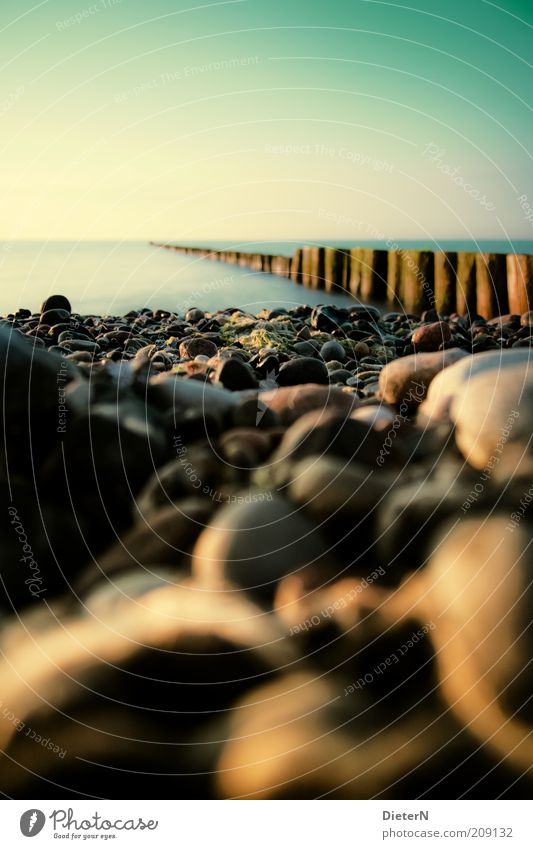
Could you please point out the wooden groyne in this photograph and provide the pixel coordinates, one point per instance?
(486, 283)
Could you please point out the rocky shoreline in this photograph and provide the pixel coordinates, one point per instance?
(305, 525)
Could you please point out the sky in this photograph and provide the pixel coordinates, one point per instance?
(246, 119)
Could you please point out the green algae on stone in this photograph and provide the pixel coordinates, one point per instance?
(256, 334)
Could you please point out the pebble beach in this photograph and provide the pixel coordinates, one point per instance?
(271, 555)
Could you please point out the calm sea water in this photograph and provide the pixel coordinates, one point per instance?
(114, 277)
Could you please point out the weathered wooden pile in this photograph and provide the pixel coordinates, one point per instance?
(487, 283)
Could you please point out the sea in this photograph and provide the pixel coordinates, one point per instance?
(112, 277)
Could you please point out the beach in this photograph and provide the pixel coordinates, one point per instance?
(237, 547)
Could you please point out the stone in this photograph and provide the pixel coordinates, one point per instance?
(194, 315)
(29, 378)
(106, 455)
(80, 345)
(56, 302)
(169, 391)
(414, 509)
(292, 402)
(332, 351)
(252, 412)
(327, 317)
(429, 337)
(105, 599)
(406, 380)
(492, 413)
(339, 375)
(79, 357)
(327, 486)
(235, 375)
(477, 590)
(244, 447)
(328, 433)
(361, 349)
(254, 543)
(378, 416)
(451, 380)
(56, 316)
(190, 348)
(364, 312)
(302, 370)
(195, 470)
(162, 537)
(305, 349)
(330, 742)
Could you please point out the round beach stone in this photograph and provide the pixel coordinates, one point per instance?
(235, 375)
(327, 318)
(449, 382)
(292, 402)
(302, 370)
(305, 349)
(492, 413)
(252, 412)
(378, 416)
(80, 345)
(339, 375)
(333, 351)
(361, 349)
(78, 356)
(326, 486)
(328, 433)
(304, 333)
(256, 542)
(478, 588)
(430, 337)
(29, 380)
(57, 316)
(244, 448)
(160, 537)
(56, 302)
(406, 380)
(169, 391)
(190, 348)
(194, 315)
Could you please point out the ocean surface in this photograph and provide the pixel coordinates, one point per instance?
(114, 277)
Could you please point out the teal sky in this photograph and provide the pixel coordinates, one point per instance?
(255, 120)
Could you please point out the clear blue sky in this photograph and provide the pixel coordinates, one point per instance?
(266, 120)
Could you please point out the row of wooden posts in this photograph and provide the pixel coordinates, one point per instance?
(412, 280)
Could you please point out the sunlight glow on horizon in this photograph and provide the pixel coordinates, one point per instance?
(237, 121)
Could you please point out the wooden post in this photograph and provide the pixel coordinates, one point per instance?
(282, 266)
(466, 296)
(491, 276)
(307, 267)
(296, 267)
(315, 267)
(335, 269)
(374, 275)
(520, 283)
(356, 268)
(394, 280)
(266, 262)
(411, 280)
(419, 287)
(445, 282)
